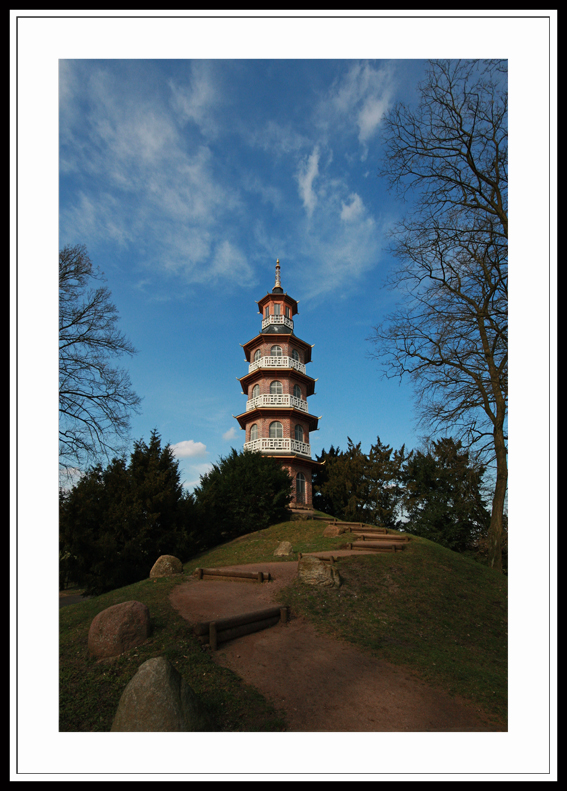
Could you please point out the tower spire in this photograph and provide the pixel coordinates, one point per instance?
(278, 275)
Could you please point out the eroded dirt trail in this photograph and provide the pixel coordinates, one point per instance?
(321, 684)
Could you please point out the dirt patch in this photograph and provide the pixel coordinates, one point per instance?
(319, 683)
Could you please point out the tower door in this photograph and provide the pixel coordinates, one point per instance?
(300, 487)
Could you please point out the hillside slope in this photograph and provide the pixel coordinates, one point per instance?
(436, 611)
(426, 608)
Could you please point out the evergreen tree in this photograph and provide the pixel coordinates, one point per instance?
(117, 521)
(442, 496)
(319, 478)
(359, 487)
(244, 492)
(340, 490)
(383, 470)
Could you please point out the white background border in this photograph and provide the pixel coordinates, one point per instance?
(528, 40)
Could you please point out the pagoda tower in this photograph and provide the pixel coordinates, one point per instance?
(277, 419)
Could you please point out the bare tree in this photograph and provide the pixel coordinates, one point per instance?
(95, 398)
(449, 334)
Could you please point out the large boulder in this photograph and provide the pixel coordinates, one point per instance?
(284, 549)
(159, 699)
(313, 571)
(119, 628)
(333, 530)
(165, 566)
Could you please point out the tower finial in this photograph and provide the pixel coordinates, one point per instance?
(278, 281)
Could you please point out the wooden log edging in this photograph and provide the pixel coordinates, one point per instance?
(224, 629)
(330, 558)
(353, 527)
(258, 576)
(380, 546)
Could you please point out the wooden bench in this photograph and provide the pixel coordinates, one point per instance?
(256, 576)
(222, 629)
(382, 537)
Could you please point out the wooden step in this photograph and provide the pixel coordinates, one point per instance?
(329, 558)
(363, 525)
(381, 537)
(378, 545)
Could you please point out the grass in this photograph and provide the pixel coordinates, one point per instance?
(304, 536)
(428, 609)
(436, 612)
(90, 690)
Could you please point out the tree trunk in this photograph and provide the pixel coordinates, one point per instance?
(496, 529)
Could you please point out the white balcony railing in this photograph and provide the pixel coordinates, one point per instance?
(277, 320)
(276, 362)
(271, 399)
(281, 444)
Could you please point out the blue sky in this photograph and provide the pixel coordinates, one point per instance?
(186, 180)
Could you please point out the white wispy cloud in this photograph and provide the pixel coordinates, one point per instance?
(230, 263)
(353, 210)
(358, 99)
(199, 98)
(232, 433)
(188, 448)
(339, 244)
(279, 139)
(307, 173)
(141, 179)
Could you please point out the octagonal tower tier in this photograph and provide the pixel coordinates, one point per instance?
(277, 420)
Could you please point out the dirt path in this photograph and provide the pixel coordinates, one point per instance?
(321, 684)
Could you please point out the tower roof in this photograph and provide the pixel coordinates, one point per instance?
(277, 289)
(278, 292)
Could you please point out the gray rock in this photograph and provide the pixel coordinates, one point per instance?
(284, 549)
(313, 571)
(165, 566)
(333, 530)
(119, 628)
(159, 699)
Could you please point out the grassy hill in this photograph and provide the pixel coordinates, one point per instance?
(440, 614)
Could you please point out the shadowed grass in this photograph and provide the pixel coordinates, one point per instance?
(426, 608)
(90, 691)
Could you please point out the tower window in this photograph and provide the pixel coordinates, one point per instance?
(299, 432)
(254, 432)
(276, 388)
(257, 355)
(266, 311)
(276, 351)
(277, 309)
(276, 430)
(295, 355)
(255, 391)
(288, 312)
(297, 391)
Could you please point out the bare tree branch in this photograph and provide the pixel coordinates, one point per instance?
(95, 397)
(449, 334)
